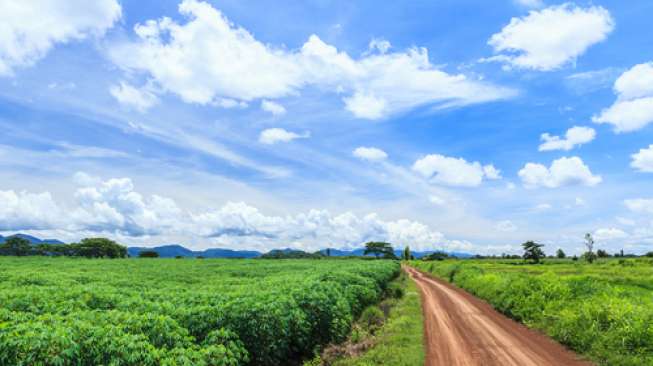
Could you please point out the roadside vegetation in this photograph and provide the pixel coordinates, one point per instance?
(390, 333)
(599, 306)
(68, 311)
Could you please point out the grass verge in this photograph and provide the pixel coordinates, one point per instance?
(398, 342)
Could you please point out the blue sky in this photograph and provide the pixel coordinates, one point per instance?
(457, 125)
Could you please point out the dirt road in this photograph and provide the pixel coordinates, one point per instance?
(462, 330)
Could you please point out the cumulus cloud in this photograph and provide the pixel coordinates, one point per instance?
(455, 172)
(23, 210)
(633, 109)
(114, 207)
(563, 172)
(529, 42)
(272, 136)
(140, 99)
(273, 108)
(640, 205)
(575, 136)
(31, 28)
(370, 154)
(643, 160)
(208, 57)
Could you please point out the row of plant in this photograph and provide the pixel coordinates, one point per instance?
(61, 311)
(603, 311)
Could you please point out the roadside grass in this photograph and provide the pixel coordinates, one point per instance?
(603, 311)
(400, 341)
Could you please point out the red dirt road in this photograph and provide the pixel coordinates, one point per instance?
(462, 330)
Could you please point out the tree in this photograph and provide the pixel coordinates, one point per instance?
(561, 254)
(602, 253)
(379, 249)
(533, 251)
(148, 254)
(649, 254)
(407, 254)
(589, 243)
(15, 245)
(98, 248)
(436, 256)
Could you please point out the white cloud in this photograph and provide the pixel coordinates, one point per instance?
(579, 201)
(548, 39)
(31, 28)
(380, 45)
(208, 57)
(370, 154)
(633, 109)
(640, 205)
(23, 210)
(506, 226)
(609, 234)
(272, 136)
(491, 172)
(454, 171)
(139, 99)
(575, 136)
(563, 172)
(275, 109)
(643, 160)
(113, 207)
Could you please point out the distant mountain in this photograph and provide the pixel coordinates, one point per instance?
(32, 239)
(175, 250)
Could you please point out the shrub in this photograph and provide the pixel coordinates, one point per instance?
(372, 318)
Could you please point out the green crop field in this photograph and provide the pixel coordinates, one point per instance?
(603, 310)
(63, 311)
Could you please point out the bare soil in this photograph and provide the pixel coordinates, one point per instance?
(462, 330)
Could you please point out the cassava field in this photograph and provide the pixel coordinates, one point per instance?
(63, 311)
(603, 311)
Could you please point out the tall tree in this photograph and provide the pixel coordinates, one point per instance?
(561, 254)
(407, 255)
(379, 249)
(533, 251)
(589, 243)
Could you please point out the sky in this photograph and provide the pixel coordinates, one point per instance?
(458, 125)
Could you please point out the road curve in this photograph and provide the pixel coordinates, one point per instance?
(462, 330)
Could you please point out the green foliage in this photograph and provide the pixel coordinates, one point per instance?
(436, 256)
(533, 252)
(400, 341)
(64, 311)
(98, 248)
(372, 318)
(290, 254)
(380, 249)
(406, 254)
(560, 254)
(603, 311)
(15, 245)
(148, 254)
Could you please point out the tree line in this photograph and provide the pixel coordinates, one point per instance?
(89, 248)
